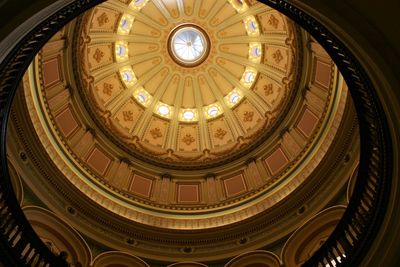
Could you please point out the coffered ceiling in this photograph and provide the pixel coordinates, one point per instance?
(208, 120)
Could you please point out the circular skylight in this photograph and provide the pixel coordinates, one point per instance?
(188, 45)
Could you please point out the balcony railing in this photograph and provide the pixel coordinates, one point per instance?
(357, 229)
(20, 245)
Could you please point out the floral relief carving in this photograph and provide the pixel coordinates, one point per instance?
(156, 133)
(220, 133)
(273, 21)
(128, 115)
(107, 89)
(188, 139)
(215, 21)
(152, 47)
(188, 10)
(174, 12)
(268, 89)
(248, 116)
(277, 56)
(98, 55)
(102, 19)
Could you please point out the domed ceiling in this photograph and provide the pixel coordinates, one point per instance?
(187, 83)
(172, 118)
(151, 95)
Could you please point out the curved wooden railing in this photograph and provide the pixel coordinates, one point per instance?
(352, 238)
(19, 244)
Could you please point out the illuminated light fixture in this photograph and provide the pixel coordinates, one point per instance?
(239, 5)
(188, 115)
(142, 96)
(125, 24)
(255, 52)
(121, 51)
(249, 76)
(128, 76)
(233, 98)
(251, 26)
(163, 110)
(188, 45)
(138, 4)
(212, 110)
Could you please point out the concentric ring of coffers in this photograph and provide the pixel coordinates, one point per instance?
(217, 105)
(147, 188)
(129, 196)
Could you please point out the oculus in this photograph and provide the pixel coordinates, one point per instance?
(188, 45)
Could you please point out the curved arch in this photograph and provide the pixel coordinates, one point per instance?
(307, 239)
(351, 184)
(58, 234)
(20, 244)
(16, 183)
(187, 264)
(117, 259)
(255, 258)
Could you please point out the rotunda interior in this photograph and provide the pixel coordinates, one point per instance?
(183, 133)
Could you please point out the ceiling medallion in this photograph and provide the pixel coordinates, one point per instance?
(188, 45)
